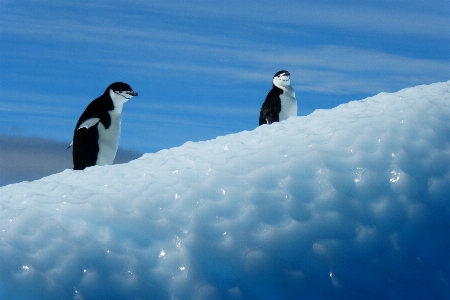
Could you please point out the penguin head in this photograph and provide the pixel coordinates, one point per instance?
(120, 92)
(282, 78)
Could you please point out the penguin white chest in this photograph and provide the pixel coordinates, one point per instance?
(288, 105)
(108, 140)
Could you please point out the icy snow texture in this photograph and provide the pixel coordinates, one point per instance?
(351, 202)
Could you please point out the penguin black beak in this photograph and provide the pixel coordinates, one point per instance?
(132, 93)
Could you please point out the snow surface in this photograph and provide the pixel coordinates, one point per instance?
(347, 203)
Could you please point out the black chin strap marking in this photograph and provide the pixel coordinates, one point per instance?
(121, 95)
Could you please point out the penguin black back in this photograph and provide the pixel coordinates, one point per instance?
(85, 148)
(271, 107)
(97, 107)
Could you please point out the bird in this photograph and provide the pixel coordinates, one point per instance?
(280, 102)
(97, 132)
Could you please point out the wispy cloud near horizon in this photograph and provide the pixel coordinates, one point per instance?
(29, 158)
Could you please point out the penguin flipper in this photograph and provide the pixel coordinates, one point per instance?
(89, 123)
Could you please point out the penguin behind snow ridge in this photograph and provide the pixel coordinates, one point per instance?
(280, 102)
(96, 135)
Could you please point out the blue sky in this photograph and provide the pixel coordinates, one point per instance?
(203, 68)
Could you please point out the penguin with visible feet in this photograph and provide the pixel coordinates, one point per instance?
(280, 102)
(96, 136)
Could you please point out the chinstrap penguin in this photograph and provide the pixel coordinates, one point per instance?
(280, 102)
(96, 136)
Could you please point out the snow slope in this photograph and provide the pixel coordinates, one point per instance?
(347, 203)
